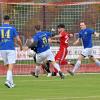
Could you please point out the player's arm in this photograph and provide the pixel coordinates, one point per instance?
(77, 41)
(19, 42)
(33, 44)
(30, 44)
(56, 36)
(53, 40)
(96, 34)
(17, 38)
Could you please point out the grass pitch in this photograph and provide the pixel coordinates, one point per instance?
(79, 87)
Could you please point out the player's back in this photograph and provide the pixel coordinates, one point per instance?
(7, 34)
(42, 41)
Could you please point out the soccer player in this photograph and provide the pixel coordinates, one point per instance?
(7, 36)
(63, 37)
(85, 35)
(42, 48)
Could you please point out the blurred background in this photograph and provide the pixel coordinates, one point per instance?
(49, 13)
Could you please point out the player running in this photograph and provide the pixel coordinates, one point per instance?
(63, 38)
(85, 35)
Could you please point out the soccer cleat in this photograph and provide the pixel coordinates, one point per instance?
(61, 75)
(8, 84)
(70, 72)
(49, 75)
(33, 74)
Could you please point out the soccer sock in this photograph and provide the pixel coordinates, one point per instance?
(97, 62)
(37, 70)
(47, 67)
(57, 66)
(9, 76)
(77, 65)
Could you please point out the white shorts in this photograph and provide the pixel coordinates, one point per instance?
(44, 56)
(87, 52)
(8, 56)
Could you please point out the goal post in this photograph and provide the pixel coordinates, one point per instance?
(26, 15)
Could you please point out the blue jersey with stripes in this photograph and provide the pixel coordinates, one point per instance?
(41, 38)
(7, 35)
(86, 36)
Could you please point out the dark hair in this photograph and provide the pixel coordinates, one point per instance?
(61, 26)
(37, 27)
(6, 17)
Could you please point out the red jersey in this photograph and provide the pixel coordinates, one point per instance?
(64, 39)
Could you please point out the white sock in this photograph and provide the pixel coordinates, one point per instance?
(9, 76)
(37, 70)
(97, 62)
(77, 65)
(57, 66)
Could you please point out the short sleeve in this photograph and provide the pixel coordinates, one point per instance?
(80, 36)
(15, 32)
(92, 31)
(35, 38)
(49, 34)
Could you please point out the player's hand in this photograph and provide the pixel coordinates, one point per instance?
(71, 35)
(50, 40)
(25, 48)
(53, 30)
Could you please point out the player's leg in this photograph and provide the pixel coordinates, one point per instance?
(56, 65)
(60, 58)
(97, 62)
(46, 66)
(92, 58)
(78, 63)
(10, 59)
(36, 72)
(39, 61)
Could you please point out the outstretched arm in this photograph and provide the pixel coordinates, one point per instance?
(53, 40)
(76, 42)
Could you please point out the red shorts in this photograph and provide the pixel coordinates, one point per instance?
(61, 55)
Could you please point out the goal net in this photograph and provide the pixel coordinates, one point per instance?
(25, 15)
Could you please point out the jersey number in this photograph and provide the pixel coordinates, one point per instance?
(5, 34)
(67, 38)
(44, 40)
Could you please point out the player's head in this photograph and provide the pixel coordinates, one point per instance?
(61, 27)
(6, 19)
(82, 25)
(37, 28)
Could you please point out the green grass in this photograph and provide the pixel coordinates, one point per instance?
(79, 87)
